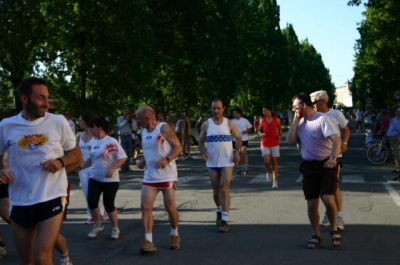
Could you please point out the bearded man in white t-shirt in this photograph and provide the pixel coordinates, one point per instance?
(42, 150)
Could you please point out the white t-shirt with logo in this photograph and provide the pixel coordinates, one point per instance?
(104, 153)
(32, 142)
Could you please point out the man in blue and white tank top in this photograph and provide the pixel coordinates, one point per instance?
(217, 133)
(160, 149)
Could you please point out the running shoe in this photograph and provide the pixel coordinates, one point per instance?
(66, 261)
(115, 233)
(175, 242)
(95, 231)
(89, 221)
(238, 171)
(104, 217)
(148, 247)
(245, 171)
(224, 227)
(3, 251)
(339, 223)
(219, 217)
(275, 184)
(325, 221)
(268, 177)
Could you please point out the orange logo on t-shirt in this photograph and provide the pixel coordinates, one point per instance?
(32, 142)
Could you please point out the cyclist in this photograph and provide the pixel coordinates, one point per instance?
(393, 134)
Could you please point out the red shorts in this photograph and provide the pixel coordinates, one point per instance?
(161, 185)
(256, 123)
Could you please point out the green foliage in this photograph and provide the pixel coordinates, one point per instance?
(173, 55)
(378, 54)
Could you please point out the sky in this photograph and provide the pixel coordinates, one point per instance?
(331, 27)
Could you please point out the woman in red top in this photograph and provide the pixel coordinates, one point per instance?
(270, 129)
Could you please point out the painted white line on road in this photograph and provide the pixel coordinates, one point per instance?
(299, 179)
(352, 179)
(259, 179)
(395, 196)
(187, 179)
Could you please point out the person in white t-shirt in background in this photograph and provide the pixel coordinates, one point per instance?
(71, 120)
(106, 156)
(244, 127)
(320, 100)
(42, 151)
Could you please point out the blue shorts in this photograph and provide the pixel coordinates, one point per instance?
(216, 169)
(29, 216)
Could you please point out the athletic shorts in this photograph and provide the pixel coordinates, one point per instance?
(318, 180)
(273, 151)
(244, 143)
(31, 215)
(3, 191)
(161, 185)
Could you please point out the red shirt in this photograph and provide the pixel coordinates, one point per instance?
(271, 137)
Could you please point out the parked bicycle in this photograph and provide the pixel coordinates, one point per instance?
(378, 153)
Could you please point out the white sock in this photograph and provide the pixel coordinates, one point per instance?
(149, 237)
(224, 216)
(339, 214)
(174, 231)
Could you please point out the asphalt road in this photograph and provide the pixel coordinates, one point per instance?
(267, 226)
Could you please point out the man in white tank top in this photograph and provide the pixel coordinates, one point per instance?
(217, 132)
(160, 149)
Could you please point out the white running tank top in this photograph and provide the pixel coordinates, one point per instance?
(219, 144)
(156, 148)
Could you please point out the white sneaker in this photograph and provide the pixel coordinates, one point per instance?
(268, 177)
(275, 184)
(325, 221)
(95, 231)
(104, 217)
(340, 223)
(3, 251)
(66, 261)
(115, 233)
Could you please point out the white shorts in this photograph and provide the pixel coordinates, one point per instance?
(273, 151)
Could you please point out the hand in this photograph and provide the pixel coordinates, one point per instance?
(109, 173)
(5, 176)
(205, 157)
(344, 148)
(162, 163)
(52, 165)
(236, 157)
(141, 164)
(331, 163)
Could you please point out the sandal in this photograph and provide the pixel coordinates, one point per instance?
(314, 242)
(336, 241)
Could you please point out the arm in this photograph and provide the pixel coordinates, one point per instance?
(176, 148)
(202, 140)
(279, 129)
(236, 134)
(291, 136)
(116, 165)
(346, 137)
(71, 161)
(5, 175)
(331, 163)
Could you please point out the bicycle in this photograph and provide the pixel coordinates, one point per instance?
(378, 153)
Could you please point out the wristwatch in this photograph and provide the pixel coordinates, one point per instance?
(332, 158)
(168, 160)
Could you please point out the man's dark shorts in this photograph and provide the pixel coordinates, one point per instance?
(30, 216)
(318, 180)
(3, 191)
(244, 143)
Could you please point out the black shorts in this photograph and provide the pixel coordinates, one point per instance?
(244, 143)
(30, 216)
(318, 180)
(3, 191)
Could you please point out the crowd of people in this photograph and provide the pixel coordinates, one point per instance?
(98, 158)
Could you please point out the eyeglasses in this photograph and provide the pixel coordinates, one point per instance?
(297, 107)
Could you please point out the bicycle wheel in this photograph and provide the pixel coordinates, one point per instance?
(377, 154)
